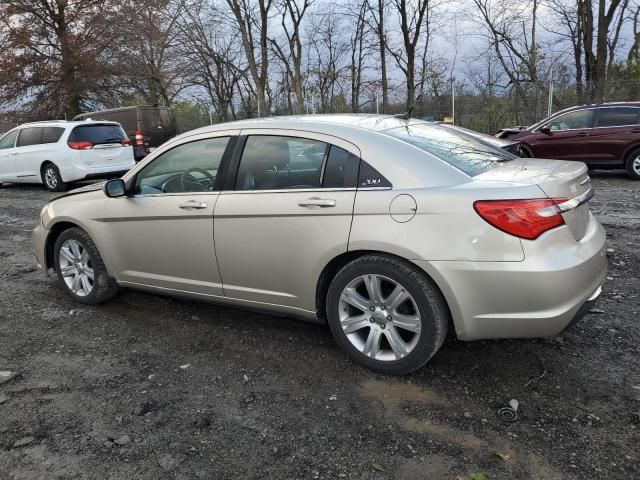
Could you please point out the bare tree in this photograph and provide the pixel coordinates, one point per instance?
(290, 55)
(252, 22)
(152, 62)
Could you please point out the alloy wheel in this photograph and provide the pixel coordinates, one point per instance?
(379, 317)
(50, 177)
(76, 268)
(636, 165)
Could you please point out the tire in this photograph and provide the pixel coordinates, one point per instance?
(426, 309)
(102, 286)
(51, 178)
(633, 164)
(525, 152)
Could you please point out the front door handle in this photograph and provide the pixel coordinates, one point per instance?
(581, 134)
(188, 205)
(317, 202)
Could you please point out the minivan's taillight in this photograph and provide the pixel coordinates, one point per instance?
(80, 145)
(126, 141)
(139, 138)
(523, 218)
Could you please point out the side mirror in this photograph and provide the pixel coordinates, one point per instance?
(546, 129)
(114, 188)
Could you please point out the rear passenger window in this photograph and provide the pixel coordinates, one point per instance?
(341, 170)
(51, 134)
(274, 163)
(617, 117)
(30, 136)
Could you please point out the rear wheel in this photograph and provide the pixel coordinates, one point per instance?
(633, 164)
(52, 179)
(387, 315)
(81, 271)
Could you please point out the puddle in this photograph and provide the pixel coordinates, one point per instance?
(394, 396)
(147, 314)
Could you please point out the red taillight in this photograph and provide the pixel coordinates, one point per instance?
(523, 218)
(139, 138)
(126, 141)
(80, 145)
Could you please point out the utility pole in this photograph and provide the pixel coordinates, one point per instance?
(453, 101)
(550, 106)
(377, 103)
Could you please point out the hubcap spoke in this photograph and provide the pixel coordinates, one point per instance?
(372, 282)
(77, 282)
(68, 270)
(86, 286)
(398, 345)
(353, 298)
(396, 298)
(407, 322)
(67, 254)
(372, 347)
(353, 324)
(89, 273)
(75, 249)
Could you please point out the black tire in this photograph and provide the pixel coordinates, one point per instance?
(434, 314)
(51, 178)
(633, 164)
(104, 287)
(525, 152)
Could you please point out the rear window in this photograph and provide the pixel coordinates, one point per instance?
(617, 117)
(460, 150)
(98, 134)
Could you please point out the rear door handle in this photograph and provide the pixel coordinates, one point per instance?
(581, 134)
(188, 205)
(317, 202)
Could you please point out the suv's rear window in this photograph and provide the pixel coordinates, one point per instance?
(98, 134)
(460, 150)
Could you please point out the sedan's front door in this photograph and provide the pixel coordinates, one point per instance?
(567, 137)
(287, 212)
(161, 235)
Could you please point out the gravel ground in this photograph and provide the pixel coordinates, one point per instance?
(146, 387)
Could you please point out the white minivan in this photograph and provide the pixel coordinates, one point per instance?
(56, 153)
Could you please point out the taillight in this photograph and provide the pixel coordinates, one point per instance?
(80, 145)
(126, 141)
(523, 218)
(139, 138)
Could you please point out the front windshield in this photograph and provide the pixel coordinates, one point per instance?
(461, 150)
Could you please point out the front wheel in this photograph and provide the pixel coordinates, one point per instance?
(52, 179)
(633, 165)
(386, 314)
(81, 271)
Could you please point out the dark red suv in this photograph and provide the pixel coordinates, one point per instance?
(603, 136)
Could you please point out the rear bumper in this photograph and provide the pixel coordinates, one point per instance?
(541, 296)
(72, 173)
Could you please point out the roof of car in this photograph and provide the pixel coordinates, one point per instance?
(62, 123)
(595, 105)
(372, 122)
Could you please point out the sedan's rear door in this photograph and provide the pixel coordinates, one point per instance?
(285, 212)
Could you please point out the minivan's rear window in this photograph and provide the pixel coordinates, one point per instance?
(460, 150)
(98, 134)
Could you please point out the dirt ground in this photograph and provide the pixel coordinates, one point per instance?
(146, 387)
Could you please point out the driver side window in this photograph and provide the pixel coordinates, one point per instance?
(190, 167)
(572, 121)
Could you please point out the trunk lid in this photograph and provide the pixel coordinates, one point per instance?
(557, 179)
